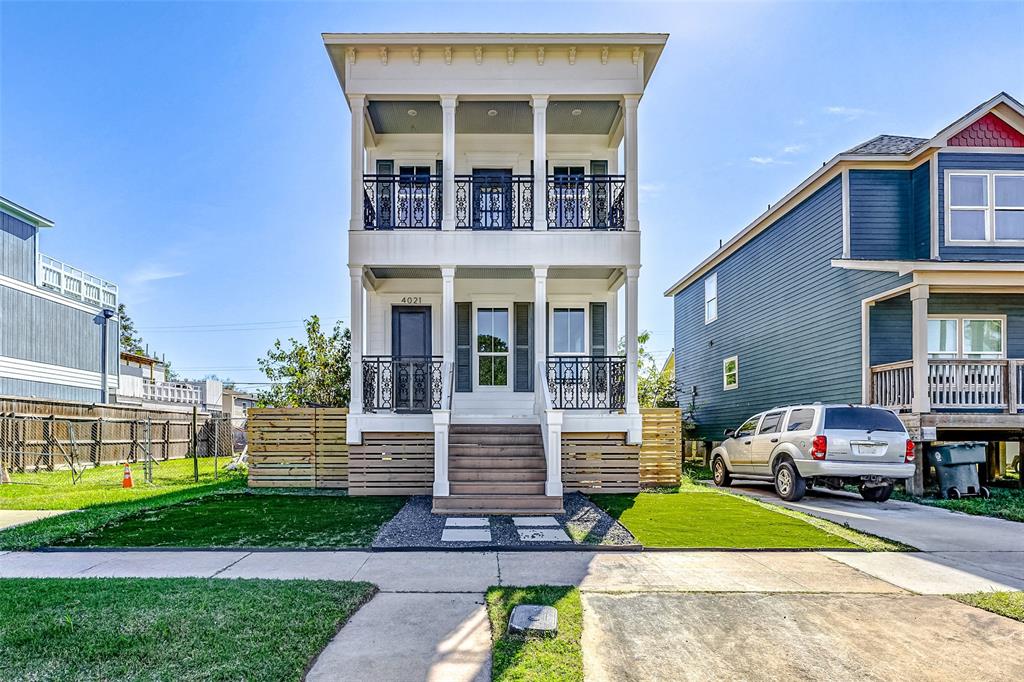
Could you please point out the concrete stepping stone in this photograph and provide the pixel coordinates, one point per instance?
(535, 521)
(466, 535)
(466, 522)
(543, 535)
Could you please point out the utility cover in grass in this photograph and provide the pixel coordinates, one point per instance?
(533, 620)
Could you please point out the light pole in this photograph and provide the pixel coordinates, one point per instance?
(104, 390)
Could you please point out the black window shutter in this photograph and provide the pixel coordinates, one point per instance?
(524, 347)
(598, 329)
(439, 167)
(463, 347)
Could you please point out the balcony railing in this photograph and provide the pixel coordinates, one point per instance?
(586, 202)
(493, 202)
(402, 384)
(402, 201)
(587, 383)
(163, 392)
(73, 283)
(953, 384)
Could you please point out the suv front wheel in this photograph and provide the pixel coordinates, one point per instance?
(720, 473)
(789, 484)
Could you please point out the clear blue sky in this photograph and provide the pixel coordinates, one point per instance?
(197, 154)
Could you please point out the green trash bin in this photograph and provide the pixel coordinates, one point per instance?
(957, 467)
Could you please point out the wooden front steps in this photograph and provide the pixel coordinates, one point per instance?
(496, 469)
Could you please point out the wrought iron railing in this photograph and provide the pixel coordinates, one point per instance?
(402, 201)
(402, 384)
(493, 202)
(586, 202)
(74, 283)
(587, 383)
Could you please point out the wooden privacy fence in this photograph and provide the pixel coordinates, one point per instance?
(305, 448)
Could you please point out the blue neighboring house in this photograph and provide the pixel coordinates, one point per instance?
(893, 275)
(58, 325)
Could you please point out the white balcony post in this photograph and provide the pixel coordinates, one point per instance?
(540, 161)
(448, 314)
(632, 399)
(448, 103)
(553, 454)
(540, 320)
(358, 106)
(355, 405)
(919, 342)
(442, 423)
(630, 103)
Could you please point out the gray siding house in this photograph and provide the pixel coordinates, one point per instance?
(893, 275)
(58, 329)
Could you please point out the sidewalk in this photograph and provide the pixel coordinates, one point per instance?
(16, 517)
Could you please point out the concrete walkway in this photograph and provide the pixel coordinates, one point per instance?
(16, 517)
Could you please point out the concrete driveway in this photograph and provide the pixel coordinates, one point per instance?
(16, 517)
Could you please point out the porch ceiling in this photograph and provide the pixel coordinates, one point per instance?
(579, 117)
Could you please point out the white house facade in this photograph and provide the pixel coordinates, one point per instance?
(494, 250)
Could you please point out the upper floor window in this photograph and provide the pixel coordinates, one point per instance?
(569, 330)
(711, 298)
(985, 208)
(968, 338)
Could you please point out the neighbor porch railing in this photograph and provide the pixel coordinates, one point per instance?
(953, 384)
(402, 201)
(164, 392)
(587, 202)
(402, 384)
(587, 383)
(493, 202)
(73, 283)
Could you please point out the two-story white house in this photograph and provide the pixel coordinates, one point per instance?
(494, 253)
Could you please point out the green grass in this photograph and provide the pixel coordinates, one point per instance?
(249, 520)
(706, 518)
(1009, 604)
(1005, 503)
(102, 485)
(169, 629)
(518, 659)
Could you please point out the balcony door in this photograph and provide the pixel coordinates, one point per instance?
(569, 200)
(410, 350)
(492, 198)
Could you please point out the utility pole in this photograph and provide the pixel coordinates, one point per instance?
(195, 442)
(104, 388)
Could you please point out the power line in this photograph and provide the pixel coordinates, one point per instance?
(225, 325)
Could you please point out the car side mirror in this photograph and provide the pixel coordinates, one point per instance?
(729, 433)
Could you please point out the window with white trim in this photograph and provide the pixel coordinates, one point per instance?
(730, 373)
(569, 331)
(967, 338)
(711, 298)
(985, 207)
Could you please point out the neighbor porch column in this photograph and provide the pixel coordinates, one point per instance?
(632, 282)
(358, 105)
(629, 133)
(919, 342)
(448, 103)
(540, 162)
(540, 323)
(355, 405)
(448, 315)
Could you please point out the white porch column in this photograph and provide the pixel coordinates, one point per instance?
(540, 161)
(540, 319)
(553, 453)
(448, 103)
(355, 405)
(632, 400)
(919, 342)
(448, 314)
(442, 422)
(629, 134)
(358, 106)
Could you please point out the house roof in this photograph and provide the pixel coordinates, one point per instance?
(882, 149)
(22, 213)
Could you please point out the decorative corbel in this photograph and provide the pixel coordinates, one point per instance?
(572, 55)
(448, 55)
(511, 55)
(384, 56)
(636, 55)
(351, 52)
(604, 54)
(540, 56)
(478, 54)
(416, 56)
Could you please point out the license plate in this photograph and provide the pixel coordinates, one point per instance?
(869, 449)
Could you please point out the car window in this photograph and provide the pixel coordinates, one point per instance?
(748, 427)
(771, 423)
(800, 420)
(862, 419)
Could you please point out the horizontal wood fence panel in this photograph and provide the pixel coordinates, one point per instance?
(661, 453)
(298, 447)
(600, 463)
(392, 464)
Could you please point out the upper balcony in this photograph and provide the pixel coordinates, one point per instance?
(75, 284)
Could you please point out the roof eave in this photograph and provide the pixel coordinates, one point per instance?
(23, 214)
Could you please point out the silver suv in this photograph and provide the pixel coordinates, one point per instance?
(807, 445)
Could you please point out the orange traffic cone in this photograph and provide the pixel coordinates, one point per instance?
(127, 482)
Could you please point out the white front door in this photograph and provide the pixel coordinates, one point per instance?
(492, 361)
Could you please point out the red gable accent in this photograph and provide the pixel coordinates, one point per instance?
(988, 131)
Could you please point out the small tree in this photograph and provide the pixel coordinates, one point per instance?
(313, 372)
(130, 341)
(655, 386)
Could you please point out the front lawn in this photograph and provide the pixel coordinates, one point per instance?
(514, 658)
(1005, 503)
(1009, 604)
(249, 520)
(169, 629)
(699, 517)
(102, 485)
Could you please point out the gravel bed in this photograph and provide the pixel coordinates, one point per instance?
(416, 526)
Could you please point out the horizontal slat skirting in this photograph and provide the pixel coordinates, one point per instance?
(298, 447)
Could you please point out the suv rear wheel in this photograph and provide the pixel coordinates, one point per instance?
(876, 493)
(720, 473)
(789, 484)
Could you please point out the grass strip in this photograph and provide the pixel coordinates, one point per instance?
(1005, 503)
(1009, 604)
(518, 659)
(169, 629)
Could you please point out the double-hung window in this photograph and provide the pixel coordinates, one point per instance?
(569, 331)
(985, 207)
(711, 298)
(730, 373)
(967, 338)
